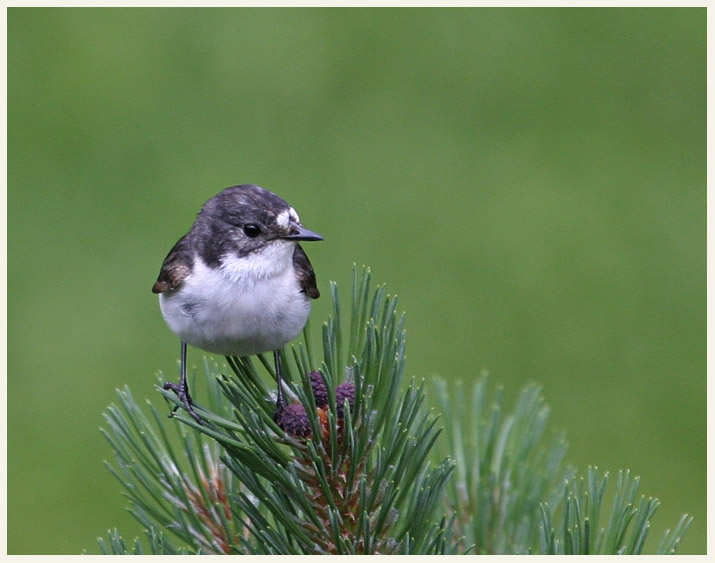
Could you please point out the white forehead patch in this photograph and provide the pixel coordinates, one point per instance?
(285, 217)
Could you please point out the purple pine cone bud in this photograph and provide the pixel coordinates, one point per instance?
(320, 392)
(294, 420)
(346, 390)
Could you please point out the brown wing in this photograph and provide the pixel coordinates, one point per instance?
(305, 273)
(177, 265)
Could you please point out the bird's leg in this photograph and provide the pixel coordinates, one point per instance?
(182, 389)
(279, 380)
(277, 414)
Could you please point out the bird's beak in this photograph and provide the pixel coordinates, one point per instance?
(299, 232)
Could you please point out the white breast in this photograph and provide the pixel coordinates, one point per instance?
(246, 306)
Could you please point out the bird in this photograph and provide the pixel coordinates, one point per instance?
(238, 283)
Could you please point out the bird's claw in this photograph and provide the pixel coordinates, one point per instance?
(182, 392)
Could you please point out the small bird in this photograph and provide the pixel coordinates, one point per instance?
(238, 283)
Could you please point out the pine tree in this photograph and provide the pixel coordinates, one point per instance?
(355, 463)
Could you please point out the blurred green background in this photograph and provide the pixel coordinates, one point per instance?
(529, 182)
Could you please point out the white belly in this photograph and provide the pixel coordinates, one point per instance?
(239, 309)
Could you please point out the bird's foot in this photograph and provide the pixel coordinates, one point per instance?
(277, 413)
(182, 391)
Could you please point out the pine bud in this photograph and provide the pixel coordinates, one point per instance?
(346, 390)
(320, 392)
(293, 420)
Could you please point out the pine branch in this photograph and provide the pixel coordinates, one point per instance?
(511, 492)
(356, 463)
(344, 469)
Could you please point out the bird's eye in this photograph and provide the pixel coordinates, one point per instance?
(252, 230)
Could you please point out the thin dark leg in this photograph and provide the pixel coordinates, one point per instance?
(182, 389)
(279, 379)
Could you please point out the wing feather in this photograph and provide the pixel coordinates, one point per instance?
(305, 273)
(177, 265)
